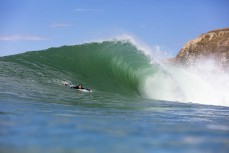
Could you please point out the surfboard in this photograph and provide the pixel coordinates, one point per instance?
(84, 90)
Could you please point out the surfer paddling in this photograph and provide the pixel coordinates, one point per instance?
(78, 87)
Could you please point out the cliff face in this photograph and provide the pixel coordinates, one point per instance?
(213, 44)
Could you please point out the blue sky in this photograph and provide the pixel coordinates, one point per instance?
(27, 25)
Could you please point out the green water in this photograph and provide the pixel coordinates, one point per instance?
(38, 113)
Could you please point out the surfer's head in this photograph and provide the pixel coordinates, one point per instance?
(80, 86)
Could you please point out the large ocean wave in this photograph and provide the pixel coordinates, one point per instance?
(119, 67)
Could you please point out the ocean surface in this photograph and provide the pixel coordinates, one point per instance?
(138, 104)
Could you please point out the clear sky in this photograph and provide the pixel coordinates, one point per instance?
(27, 25)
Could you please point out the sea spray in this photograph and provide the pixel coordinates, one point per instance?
(204, 83)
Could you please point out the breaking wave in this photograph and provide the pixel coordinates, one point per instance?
(120, 67)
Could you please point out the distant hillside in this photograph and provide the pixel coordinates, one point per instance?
(213, 44)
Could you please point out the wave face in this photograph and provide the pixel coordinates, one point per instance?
(110, 66)
(117, 67)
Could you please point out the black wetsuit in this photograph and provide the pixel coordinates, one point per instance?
(77, 87)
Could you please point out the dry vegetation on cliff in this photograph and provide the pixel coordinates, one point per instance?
(213, 44)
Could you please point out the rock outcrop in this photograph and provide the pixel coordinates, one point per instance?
(213, 44)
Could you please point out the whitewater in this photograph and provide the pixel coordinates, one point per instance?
(160, 101)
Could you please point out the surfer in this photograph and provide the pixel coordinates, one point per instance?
(78, 87)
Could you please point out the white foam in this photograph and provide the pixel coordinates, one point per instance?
(204, 83)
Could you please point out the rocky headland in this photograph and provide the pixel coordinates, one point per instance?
(211, 45)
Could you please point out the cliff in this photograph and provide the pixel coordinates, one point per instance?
(213, 44)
